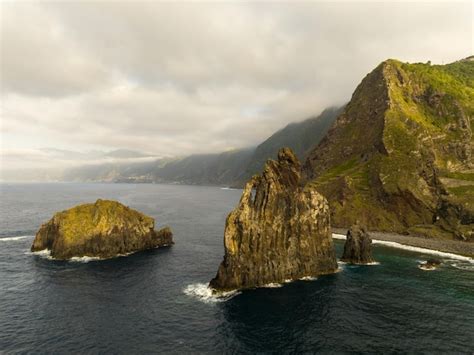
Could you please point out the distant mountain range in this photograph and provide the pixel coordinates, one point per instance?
(230, 168)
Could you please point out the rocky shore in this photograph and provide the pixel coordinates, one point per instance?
(448, 246)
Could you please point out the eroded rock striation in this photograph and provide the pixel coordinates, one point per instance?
(278, 232)
(358, 246)
(102, 229)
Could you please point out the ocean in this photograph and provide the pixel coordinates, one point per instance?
(158, 302)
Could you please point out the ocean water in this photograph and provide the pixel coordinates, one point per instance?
(157, 301)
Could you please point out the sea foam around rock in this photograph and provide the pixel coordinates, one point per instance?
(204, 293)
(415, 249)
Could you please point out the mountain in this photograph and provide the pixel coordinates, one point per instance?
(206, 169)
(230, 168)
(399, 157)
(299, 136)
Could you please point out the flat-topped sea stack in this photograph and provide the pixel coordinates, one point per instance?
(278, 232)
(358, 246)
(102, 229)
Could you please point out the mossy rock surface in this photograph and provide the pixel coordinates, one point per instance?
(400, 157)
(102, 229)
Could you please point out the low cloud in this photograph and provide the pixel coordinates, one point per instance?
(182, 78)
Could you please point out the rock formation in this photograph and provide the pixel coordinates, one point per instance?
(102, 229)
(399, 158)
(430, 264)
(278, 232)
(358, 246)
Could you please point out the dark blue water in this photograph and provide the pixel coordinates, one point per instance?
(156, 301)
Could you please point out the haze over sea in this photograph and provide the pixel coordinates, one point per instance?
(157, 301)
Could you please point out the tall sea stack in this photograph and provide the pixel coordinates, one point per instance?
(278, 232)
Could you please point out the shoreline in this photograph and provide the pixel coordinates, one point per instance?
(448, 246)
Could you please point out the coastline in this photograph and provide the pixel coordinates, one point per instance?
(447, 246)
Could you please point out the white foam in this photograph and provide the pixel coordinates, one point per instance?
(338, 236)
(9, 239)
(45, 254)
(424, 250)
(308, 278)
(272, 285)
(463, 267)
(84, 259)
(415, 249)
(206, 294)
(372, 263)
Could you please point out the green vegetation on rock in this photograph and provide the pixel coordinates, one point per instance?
(102, 229)
(399, 158)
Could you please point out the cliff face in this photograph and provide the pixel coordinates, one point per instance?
(103, 229)
(358, 246)
(279, 230)
(399, 157)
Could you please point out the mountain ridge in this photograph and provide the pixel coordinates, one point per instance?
(231, 168)
(386, 158)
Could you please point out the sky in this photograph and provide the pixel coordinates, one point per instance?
(175, 78)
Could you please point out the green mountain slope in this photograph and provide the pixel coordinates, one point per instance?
(399, 157)
(299, 136)
(206, 169)
(231, 168)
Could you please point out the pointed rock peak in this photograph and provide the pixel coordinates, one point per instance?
(287, 155)
(286, 171)
(278, 231)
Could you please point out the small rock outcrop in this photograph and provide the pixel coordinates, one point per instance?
(430, 264)
(102, 229)
(278, 232)
(358, 246)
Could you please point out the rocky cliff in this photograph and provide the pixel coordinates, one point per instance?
(102, 229)
(278, 232)
(399, 158)
(358, 246)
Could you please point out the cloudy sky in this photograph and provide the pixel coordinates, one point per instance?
(176, 78)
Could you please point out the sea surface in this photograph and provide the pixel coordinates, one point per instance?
(157, 301)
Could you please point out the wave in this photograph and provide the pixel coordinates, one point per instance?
(462, 267)
(45, 254)
(9, 239)
(308, 278)
(206, 294)
(424, 250)
(415, 249)
(338, 236)
(272, 285)
(84, 259)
